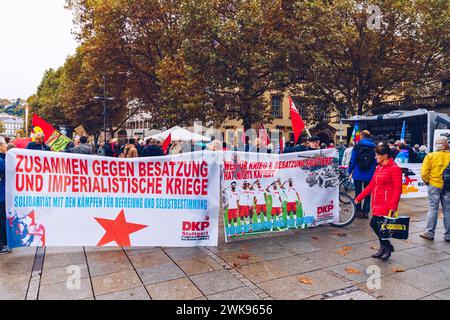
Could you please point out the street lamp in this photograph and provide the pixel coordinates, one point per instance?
(104, 99)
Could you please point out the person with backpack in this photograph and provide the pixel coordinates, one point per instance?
(362, 167)
(435, 173)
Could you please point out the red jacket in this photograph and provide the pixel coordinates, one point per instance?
(385, 187)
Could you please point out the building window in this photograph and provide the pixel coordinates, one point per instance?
(276, 107)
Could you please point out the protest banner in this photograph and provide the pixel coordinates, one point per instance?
(272, 193)
(59, 199)
(412, 185)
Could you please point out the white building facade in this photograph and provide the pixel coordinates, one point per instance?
(11, 124)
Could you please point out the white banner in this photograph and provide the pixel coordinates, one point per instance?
(271, 193)
(59, 199)
(413, 185)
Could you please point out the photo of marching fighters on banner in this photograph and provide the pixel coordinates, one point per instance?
(264, 193)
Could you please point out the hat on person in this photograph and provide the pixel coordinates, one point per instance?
(314, 138)
(441, 143)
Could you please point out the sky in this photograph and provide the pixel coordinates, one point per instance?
(35, 35)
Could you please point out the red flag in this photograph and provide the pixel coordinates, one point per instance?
(297, 122)
(38, 123)
(281, 144)
(22, 143)
(167, 143)
(265, 140)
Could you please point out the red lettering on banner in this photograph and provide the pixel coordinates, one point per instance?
(195, 225)
(32, 183)
(19, 157)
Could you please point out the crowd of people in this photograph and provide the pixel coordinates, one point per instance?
(372, 166)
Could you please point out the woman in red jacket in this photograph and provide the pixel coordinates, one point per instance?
(386, 189)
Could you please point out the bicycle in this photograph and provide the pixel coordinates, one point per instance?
(347, 206)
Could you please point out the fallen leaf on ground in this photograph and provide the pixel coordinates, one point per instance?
(344, 251)
(243, 256)
(236, 265)
(351, 270)
(315, 238)
(306, 280)
(398, 269)
(341, 234)
(373, 248)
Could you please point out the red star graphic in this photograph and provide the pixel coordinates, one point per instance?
(118, 230)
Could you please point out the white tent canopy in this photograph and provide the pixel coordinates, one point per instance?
(180, 134)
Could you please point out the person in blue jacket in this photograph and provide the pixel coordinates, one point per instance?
(362, 167)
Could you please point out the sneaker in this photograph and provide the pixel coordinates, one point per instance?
(365, 215)
(427, 236)
(447, 240)
(5, 250)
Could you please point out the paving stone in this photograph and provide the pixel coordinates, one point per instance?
(290, 288)
(353, 274)
(233, 257)
(415, 238)
(14, 287)
(115, 282)
(183, 253)
(215, 282)
(149, 259)
(440, 246)
(106, 262)
(431, 297)
(179, 289)
(325, 259)
(138, 293)
(355, 237)
(198, 264)
(61, 259)
(261, 271)
(60, 291)
(160, 273)
(300, 247)
(430, 278)
(62, 274)
(394, 289)
(428, 254)
(270, 252)
(356, 295)
(243, 293)
(386, 267)
(131, 251)
(357, 251)
(444, 294)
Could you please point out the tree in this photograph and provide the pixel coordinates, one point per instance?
(47, 100)
(142, 39)
(191, 60)
(356, 65)
(240, 50)
(81, 82)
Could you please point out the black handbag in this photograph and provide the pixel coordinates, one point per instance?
(393, 226)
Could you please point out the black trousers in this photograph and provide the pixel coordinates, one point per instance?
(375, 224)
(3, 239)
(360, 185)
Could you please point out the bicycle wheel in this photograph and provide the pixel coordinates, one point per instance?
(347, 210)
